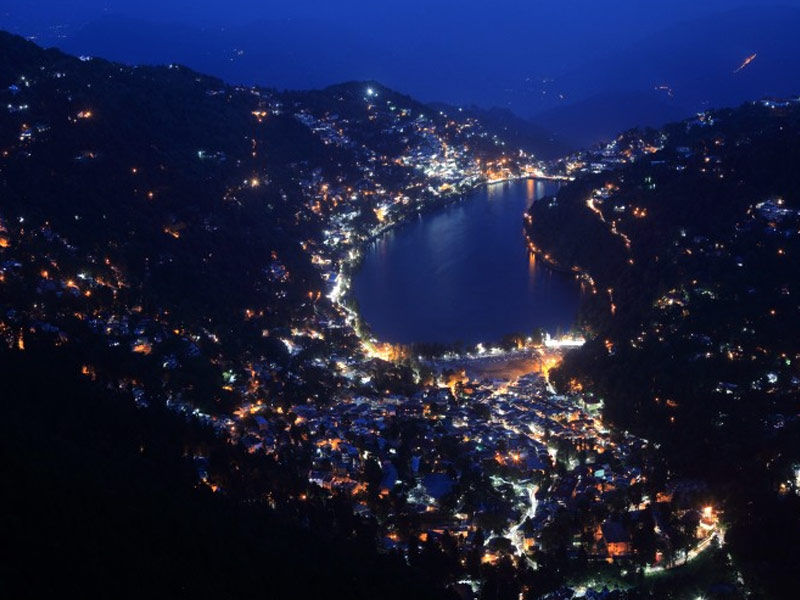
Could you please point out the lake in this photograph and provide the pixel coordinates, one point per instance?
(464, 274)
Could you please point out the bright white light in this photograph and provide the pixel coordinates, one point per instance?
(564, 342)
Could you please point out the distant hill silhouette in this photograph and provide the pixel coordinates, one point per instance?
(608, 92)
(597, 118)
(694, 61)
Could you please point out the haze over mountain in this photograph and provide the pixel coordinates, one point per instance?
(576, 69)
(683, 69)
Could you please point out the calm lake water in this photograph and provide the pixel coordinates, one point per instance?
(464, 274)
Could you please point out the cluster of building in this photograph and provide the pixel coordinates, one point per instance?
(490, 463)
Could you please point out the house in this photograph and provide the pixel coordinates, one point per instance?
(530, 532)
(616, 538)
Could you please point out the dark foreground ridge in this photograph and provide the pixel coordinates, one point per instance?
(102, 501)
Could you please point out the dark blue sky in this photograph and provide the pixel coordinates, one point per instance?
(588, 13)
(531, 56)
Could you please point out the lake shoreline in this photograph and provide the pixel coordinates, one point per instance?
(432, 276)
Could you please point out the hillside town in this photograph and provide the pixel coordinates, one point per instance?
(489, 471)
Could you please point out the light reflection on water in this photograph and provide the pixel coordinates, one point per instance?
(464, 274)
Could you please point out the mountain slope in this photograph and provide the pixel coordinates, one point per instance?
(516, 131)
(166, 247)
(692, 249)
